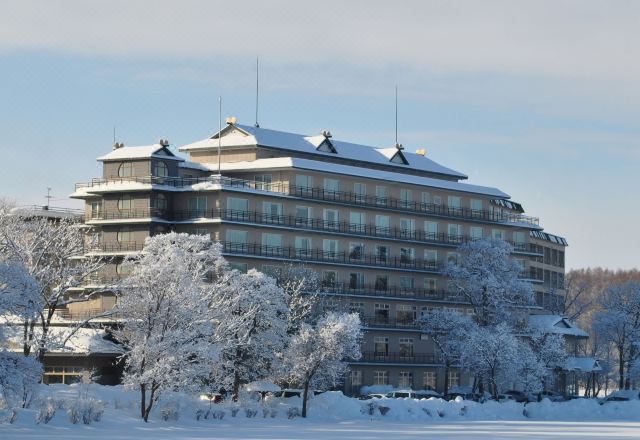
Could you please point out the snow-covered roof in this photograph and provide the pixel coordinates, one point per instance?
(262, 385)
(556, 324)
(46, 211)
(238, 135)
(584, 364)
(145, 152)
(333, 168)
(83, 341)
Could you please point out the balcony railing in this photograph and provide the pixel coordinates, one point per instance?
(399, 358)
(389, 292)
(379, 321)
(342, 197)
(125, 246)
(312, 224)
(317, 255)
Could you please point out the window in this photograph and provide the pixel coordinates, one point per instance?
(382, 224)
(437, 200)
(65, 375)
(272, 211)
(356, 280)
(431, 230)
(159, 229)
(332, 186)
(405, 347)
(125, 169)
(240, 267)
(125, 202)
(425, 199)
(475, 232)
(330, 216)
(356, 221)
(124, 235)
(96, 209)
(476, 206)
(454, 232)
(357, 307)
(382, 195)
(360, 191)
(382, 283)
(407, 255)
(452, 257)
(124, 269)
(381, 345)
(329, 277)
(405, 379)
(201, 231)
(271, 240)
(198, 206)
(406, 314)
(454, 378)
(304, 181)
(263, 182)
(235, 236)
(303, 246)
(237, 205)
(407, 226)
(381, 312)
(497, 234)
(380, 377)
(431, 257)
(160, 169)
(453, 202)
(356, 251)
(407, 283)
(159, 202)
(518, 238)
(382, 252)
(330, 248)
(303, 215)
(356, 378)
(406, 197)
(429, 380)
(430, 284)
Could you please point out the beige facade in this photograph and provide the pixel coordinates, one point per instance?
(377, 229)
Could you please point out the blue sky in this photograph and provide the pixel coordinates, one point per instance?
(540, 99)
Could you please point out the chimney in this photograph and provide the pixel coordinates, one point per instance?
(163, 142)
(421, 152)
(117, 145)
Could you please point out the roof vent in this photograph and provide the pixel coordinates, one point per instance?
(118, 145)
(163, 142)
(326, 133)
(421, 152)
(232, 120)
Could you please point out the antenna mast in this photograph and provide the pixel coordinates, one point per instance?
(257, 89)
(114, 134)
(219, 130)
(396, 114)
(48, 197)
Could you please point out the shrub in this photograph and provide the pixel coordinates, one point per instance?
(46, 411)
(169, 411)
(85, 411)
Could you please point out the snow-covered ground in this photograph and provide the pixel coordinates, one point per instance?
(331, 416)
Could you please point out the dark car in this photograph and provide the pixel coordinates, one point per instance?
(518, 396)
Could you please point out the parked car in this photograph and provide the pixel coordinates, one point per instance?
(376, 396)
(551, 395)
(476, 397)
(518, 396)
(422, 394)
(621, 396)
(506, 398)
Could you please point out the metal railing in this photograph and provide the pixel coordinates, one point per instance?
(322, 194)
(399, 358)
(125, 246)
(378, 321)
(389, 292)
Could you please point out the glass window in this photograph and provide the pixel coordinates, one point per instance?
(159, 201)
(160, 169)
(303, 215)
(201, 231)
(429, 380)
(273, 211)
(235, 236)
(437, 200)
(96, 209)
(431, 257)
(240, 267)
(405, 379)
(125, 202)
(360, 191)
(407, 283)
(330, 247)
(331, 185)
(382, 252)
(380, 377)
(198, 205)
(124, 235)
(382, 195)
(303, 246)
(381, 312)
(356, 307)
(356, 378)
(431, 229)
(356, 251)
(381, 345)
(425, 198)
(356, 219)
(430, 284)
(405, 314)
(475, 204)
(518, 237)
(263, 182)
(125, 169)
(272, 240)
(454, 378)
(407, 255)
(237, 204)
(407, 226)
(453, 202)
(356, 280)
(382, 224)
(329, 277)
(475, 232)
(330, 216)
(497, 234)
(454, 231)
(304, 181)
(382, 282)
(406, 197)
(452, 257)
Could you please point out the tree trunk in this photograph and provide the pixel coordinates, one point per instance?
(446, 378)
(305, 394)
(621, 368)
(147, 410)
(236, 385)
(143, 399)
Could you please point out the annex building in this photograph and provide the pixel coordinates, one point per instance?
(377, 224)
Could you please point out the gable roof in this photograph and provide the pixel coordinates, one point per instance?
(238, 135)
(150, 151)
(556, 324)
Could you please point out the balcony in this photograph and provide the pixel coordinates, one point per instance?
(321, 256)
(389, 292)
(399, 358)
(389, 322)
(116, 247)
(319, 194)
(127, 214)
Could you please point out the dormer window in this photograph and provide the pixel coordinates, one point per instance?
(327, 147)
(160, 169)
(399, 158)
(125, 169)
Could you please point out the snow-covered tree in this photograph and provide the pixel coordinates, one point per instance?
(250, 351)
(165, 304)
(39, 256)
(485, 276)
(448, 329)
(19, 378)
(317, 355)
(618, 323)
(550, 351)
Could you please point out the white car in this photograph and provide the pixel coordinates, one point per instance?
(621, 396)
(421, 394)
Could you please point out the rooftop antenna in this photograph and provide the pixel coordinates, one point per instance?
(396, 115)
(114, 134)
(48, 197)
(219, 130)
(257, 89)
